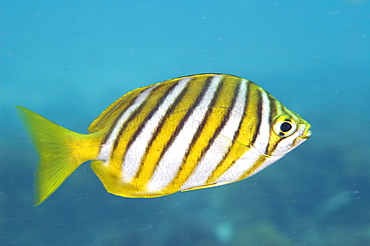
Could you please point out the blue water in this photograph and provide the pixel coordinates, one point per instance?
(68, 60)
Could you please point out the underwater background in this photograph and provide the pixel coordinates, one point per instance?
(69, 60)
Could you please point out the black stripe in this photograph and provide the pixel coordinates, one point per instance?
(273, 104)
(147, 117)
(245, 106)
(250, 86)
(113, 126)
(160, 126)
(129, 119)
(222, 125)
(200, 129)
(259, 115)
(245, 116)
(219, 127)
(121, 100)
(274, 107)
(274, 146)
(269, 102)
(185, 118)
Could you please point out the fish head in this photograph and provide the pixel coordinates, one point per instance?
(288, 130)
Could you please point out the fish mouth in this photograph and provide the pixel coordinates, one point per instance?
(307, 132)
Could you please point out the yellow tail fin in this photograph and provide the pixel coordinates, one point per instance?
(61, 151)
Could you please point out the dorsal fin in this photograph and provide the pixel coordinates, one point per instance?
(108, 116)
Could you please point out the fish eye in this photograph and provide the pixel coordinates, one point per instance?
(284, 126)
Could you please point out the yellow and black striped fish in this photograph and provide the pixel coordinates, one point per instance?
(186, 133)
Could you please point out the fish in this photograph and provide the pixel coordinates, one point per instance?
(186, 133)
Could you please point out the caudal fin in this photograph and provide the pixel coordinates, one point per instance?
(61, 152)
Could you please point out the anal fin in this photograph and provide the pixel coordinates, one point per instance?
(206, 186)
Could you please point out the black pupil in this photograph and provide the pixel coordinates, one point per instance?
(285, 127)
